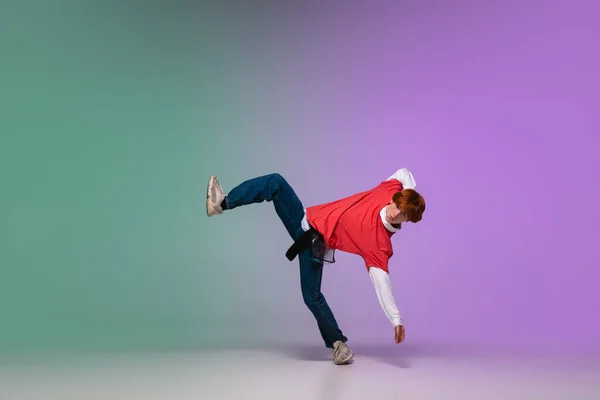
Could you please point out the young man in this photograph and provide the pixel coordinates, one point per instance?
(361, 224)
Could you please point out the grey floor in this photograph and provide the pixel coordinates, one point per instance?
(298, 372)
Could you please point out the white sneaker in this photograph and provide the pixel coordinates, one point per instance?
(342, 354)
(214, 197)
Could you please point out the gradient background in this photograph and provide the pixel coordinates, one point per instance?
(114, 115)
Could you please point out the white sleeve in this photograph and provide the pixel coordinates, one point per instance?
(405, 177)
(383, 286)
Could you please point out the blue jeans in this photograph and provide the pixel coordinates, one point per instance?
(275, 188)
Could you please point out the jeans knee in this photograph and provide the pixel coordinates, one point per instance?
(277, 182)
(276, 177)
(311, 300)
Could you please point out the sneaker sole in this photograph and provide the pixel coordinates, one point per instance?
(345, 361)
(210, 181)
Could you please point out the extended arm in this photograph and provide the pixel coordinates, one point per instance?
(383, 286)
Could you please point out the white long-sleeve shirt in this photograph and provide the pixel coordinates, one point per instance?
(381, 279)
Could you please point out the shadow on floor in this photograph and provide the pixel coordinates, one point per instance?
(398, 357)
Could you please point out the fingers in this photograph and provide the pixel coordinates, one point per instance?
(399, 335)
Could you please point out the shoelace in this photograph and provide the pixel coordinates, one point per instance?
(336, 351)
(214, 192)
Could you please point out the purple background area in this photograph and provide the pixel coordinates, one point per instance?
(119, 113)
(494, 107)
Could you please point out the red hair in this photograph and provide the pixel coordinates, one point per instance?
(411, 203)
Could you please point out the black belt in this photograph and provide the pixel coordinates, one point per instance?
(303, 241)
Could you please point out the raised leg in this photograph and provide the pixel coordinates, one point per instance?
(273, 188)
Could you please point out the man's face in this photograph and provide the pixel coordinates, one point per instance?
(394, 215)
